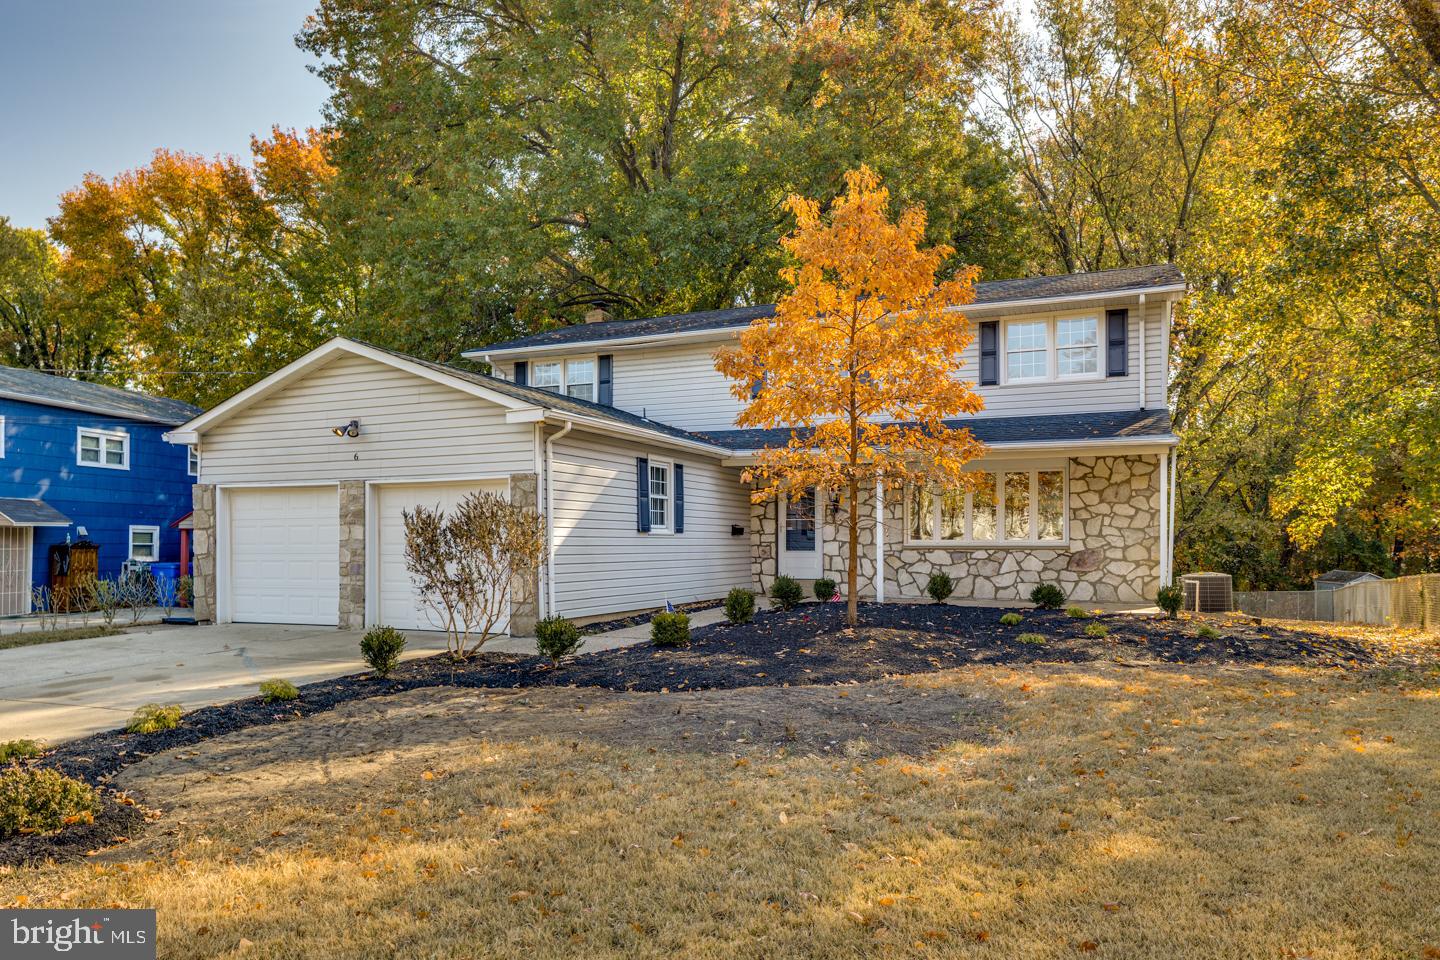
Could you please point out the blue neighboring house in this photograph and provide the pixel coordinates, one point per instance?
(82, 461)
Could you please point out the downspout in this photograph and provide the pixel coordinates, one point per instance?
(550, 606)
(879, 540)
(1143, 358)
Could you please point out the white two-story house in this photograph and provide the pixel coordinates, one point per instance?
(622, 433)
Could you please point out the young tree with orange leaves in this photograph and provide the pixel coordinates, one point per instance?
(861, 359)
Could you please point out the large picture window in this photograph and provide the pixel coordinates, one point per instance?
(1056, 348)
(1024, 506)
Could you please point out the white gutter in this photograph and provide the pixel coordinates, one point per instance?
(656, 437)
(550, 606)
(721, 333)
(879, 540)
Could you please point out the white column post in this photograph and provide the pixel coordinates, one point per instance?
(1164, 512)
(879, 540)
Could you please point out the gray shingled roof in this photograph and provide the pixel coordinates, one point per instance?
(32, 386)
(999, 431)
(989, 292)
(30, 513)
(1343, 576)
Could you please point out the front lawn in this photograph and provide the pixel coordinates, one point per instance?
(1014, 810)
(28, 638)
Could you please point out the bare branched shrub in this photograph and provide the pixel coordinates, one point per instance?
(104, 597)
(137, 592)
(463, 563)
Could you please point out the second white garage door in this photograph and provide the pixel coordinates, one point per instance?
(398, 605)
(284, 555)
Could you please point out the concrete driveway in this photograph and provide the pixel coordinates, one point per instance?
(58, 691)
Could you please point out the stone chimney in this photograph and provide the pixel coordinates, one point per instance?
(597, 314)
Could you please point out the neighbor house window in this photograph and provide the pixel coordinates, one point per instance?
(1077, 347)
(659, 496)
(580, 379)
(546, 376)
(103, 448)
(1027, 350)
(1007, 506)
(192, 461)
(145, 543)
(2, 436)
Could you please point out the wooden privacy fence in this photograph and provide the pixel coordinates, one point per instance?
(1403, 602)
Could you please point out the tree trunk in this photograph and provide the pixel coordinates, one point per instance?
(851, 607)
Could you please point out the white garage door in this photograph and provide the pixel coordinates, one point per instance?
(285, 555)
(399, 606)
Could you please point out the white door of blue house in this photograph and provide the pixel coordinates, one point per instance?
(800, 547)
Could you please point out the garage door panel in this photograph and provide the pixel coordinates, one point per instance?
(285, 555)
(399, 605)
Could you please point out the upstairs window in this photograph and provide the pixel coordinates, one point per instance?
(103, 448)
(1005, 507)
(1077, 347)
(546, 376)
(572, 378)
(1027, 350)
(580, 379)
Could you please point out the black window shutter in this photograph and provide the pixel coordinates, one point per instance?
(605, 388)
(1117, 352)
(642, 495)
(756, 386)
(989, 353)
(679, 498)
(522, 372)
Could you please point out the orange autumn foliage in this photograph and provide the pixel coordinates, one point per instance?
(862, 356)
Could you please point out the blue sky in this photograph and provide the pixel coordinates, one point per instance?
(97, 85)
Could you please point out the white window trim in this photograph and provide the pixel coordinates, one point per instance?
(192, 461)
(564, 363)
(1000, 543)
(669, 465)
(130, 542)
(1052, 354)
(102, 435)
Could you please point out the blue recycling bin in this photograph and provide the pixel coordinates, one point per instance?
(166, 576)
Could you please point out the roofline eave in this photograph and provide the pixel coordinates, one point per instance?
(1092, 446)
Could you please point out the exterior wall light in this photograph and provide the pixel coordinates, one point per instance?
(351, 429)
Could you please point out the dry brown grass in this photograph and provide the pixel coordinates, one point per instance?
(1112, 811)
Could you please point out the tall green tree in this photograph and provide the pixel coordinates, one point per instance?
(39, 327)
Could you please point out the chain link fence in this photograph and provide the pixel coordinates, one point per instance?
(1403, 602)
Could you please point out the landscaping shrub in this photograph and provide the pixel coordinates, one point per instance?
(1207, 632)
(786, 592)
(739, 605)
(825, 589)
(153, 718)
(670, 629)
(277, 690)
(1097, 630)
(557, 638)
(1011, 620)
(381, 647)
(939, 587)
(43, 801)
(1031, 638)
(12, 750)
(1047, 596)
(1077, 613)
(1170, 599)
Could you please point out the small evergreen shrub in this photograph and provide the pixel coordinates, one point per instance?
(154, 718)
(939, 587)
(786, 592)
(1077, 612)
(277, 690)
(381, 647)
(1096, 630)
(1034, 639)
(1011, 620)
(825, 589)
(557, 638)
(739, 605)
(1170, 599)
(670, 629)
(12, 750)
(1207, 632)
(1047, 596)
(43, 801)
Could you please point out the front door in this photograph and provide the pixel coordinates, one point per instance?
(800, 536)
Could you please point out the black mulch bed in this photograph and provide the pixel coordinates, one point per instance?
(808, 645)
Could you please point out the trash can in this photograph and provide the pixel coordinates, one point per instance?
(166, 575)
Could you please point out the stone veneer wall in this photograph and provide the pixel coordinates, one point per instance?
(203, 538)
(352, 554)
(525, 591)
(1113, 555)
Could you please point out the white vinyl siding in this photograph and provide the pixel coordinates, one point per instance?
(410, 427)
(603, 565)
